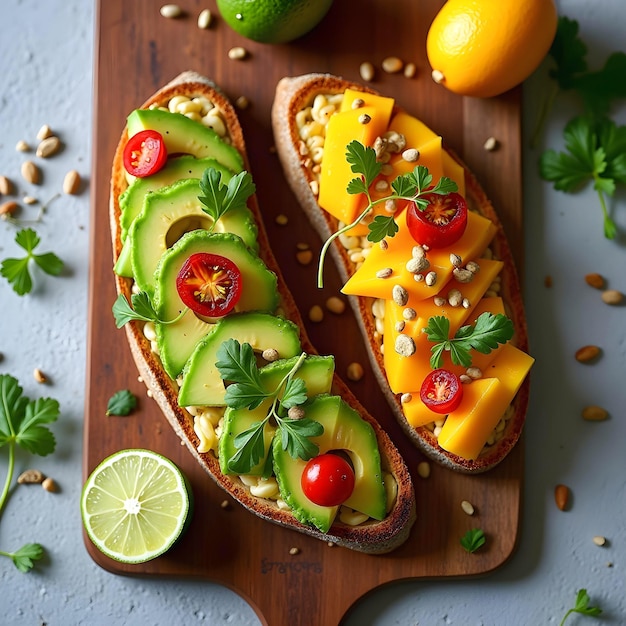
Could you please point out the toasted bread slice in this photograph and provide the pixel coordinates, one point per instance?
(295, 94)
(370, 537)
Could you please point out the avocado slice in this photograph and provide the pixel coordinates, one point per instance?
(317, 373)
(177, 341)
(344, 430)
(185, 136)
(170, 213)
(202, 384)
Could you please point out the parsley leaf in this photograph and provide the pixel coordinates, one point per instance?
(594, 153)
(582, 607)
(489, 331)
(121, 403)
(17, 271)
(218, 199)
(23, 423)
(568, 51)
(363, 161)
(141, 310)
(382, 226)
(473, 539)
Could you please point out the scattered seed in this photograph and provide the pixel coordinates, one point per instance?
(225, 504)
(304, 257)
(400, 324)
(48, 147)
(438, 76)
(465, 379)
(354, 372)
(31, 477)
(30, 172)
(383, 244)
(365, 119)
(49, 485)
(423, 469)
(405, 398)
(237, 53)
(456, 260)
(463, 275)
(335, 305)
(411, 155)
(44, 132)
(431, 278)
(404, 345)
(409, 314)
(171, 11)
(547, 281)
(366, 70)
(294, 551)
(242, 103)
(282, 219)
(474, 372)
(357, 103)
(71, 182)
(410, 69)
(29, 200)
(472, 266)
(392, 65)
(455, 297)
(316, 314)
(562, 496)
(491, 144)
(595, 280)
(6, 186)
(586, 354)
(386, 272)
(204, 19)
(330, 544)
(612, 296)
(39, 376)
(467, 507)
(8, 208)
(594, 413)
(22, 146)
(599, 540)
(295, 413)
(399, 295)
(439, 301)
(270, 355)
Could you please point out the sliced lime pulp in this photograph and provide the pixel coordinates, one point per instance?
(134, 505)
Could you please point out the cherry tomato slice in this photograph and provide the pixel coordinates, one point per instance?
(441, 223)
(441, 391)
(209, 284)
(328, 480)
(145, 153)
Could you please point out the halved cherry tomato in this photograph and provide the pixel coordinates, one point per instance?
(145, 153)
(328, 480)
(209, 284)
(441, 223)
(441, 391)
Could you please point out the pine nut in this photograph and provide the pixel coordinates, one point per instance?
(612, 296)
(22, 146)
(410, 69)
(392, 65)
(354, 372)
(39, 376)
(204, 19)
(335, 305)
(491, 144)
(44, 132)
(294, 551)
(281, 220)
(599, 540)
(438, 76)
(171, 11)
(48, 147)
(423, 469)
(316, 314)
(237, 53)
(6, 186)
(242, 103)
(366, 70)
(71, 182)
(467, 507)
(30, 172)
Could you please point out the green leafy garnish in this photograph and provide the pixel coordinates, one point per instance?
(489, 331)
(473, 539)
(237, 364)
(23, 423)
(582, 607)
(218, 199)
(411, 187)
(17, 271)
(141, 310)
(595, 152)
(121, 403)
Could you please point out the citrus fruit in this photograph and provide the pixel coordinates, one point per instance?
(483, 48)
(273, 21)
(134, 505)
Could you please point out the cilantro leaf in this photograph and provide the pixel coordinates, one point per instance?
(569, 52)
(582, 607)
(473, 539)
(380, 227)
(17, 271)
(218, 199)
(24, 558)
(121, 403)
(251, 447)
(444, 186)
(363, 161)
(295, 437)
(294, 394)
(599, 89)
(141, 310)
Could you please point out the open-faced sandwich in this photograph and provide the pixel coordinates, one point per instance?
(219, 342)
(424, 260)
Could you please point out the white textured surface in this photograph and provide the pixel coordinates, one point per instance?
(46, 52)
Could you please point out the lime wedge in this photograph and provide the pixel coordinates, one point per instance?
(134, 505)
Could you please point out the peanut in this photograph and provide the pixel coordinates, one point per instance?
(586, 354)
(8, 208)
(595, 280)
(48, 147)
(562, 497)
(612, 296)
(71, 182)
(5, 186)
(30, 477)
(30, 172)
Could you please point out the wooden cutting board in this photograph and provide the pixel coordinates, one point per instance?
(137, 51)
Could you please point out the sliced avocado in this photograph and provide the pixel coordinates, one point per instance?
(185, 136)
(187, 166)
(170, 213)
(202, 383)
(317, 373)
(344, 430)
(177, 341)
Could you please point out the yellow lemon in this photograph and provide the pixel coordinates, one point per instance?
(483, 48)
(273, 21)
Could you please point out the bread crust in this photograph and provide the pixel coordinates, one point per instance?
(293, 94)
(372, 537)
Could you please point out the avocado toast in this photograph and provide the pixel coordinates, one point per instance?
(159, 226)
(405, 294)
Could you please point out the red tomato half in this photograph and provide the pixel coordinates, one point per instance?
(328, 480)
(145, 153)
(209, 284)
(441, 391)
(441, 223)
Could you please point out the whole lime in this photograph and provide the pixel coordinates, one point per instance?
(273, 21)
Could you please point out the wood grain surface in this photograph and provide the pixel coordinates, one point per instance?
(137, 51)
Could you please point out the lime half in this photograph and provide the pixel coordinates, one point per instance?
(134, 505)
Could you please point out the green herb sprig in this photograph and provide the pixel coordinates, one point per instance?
(582, 607)
(141, 310)
(218, 198)
(17, 271)
(23, 423)
(410, 187)
(473, 539)
(236, 363)
(121, 403)
(489, 331)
